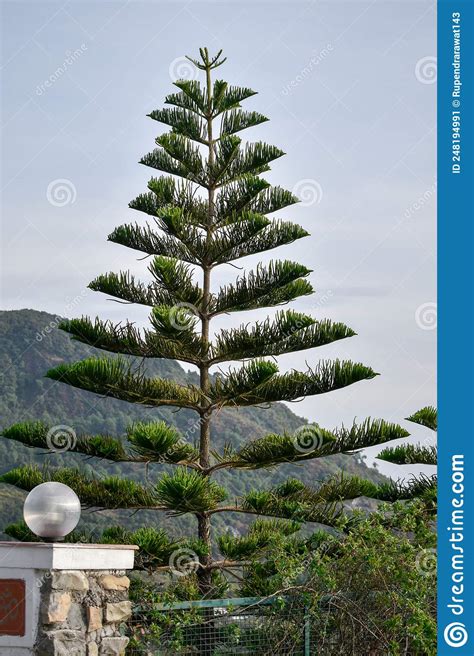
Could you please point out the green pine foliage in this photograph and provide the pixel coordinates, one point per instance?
(427, 416)
(261, 536)
(409, 454)
(188, 491)
(108, 492)
(209, 206)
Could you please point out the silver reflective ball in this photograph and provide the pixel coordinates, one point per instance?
(52, 510)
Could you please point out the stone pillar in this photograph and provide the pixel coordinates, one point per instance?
(64, 599)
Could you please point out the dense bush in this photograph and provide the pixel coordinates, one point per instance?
(369, 589)
(380, 586)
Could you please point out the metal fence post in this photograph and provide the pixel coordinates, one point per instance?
(307, 631)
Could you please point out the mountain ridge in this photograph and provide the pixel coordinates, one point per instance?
(31, 343)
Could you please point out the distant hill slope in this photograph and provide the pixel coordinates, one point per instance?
(30, 344)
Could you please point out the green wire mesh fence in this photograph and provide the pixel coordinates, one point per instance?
(222, 627)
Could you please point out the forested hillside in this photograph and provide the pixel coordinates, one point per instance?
(30, 344)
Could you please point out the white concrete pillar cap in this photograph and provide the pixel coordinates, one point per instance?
(65, 555)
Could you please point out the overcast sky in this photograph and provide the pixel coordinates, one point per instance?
(350, 91)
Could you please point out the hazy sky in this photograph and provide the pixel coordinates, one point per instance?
(350, 91)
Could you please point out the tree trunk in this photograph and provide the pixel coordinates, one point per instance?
(204, 519)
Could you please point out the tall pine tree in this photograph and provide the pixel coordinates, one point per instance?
(211, 207)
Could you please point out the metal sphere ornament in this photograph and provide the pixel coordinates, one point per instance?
(52, 510)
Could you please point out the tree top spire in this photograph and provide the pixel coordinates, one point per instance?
(208, 63)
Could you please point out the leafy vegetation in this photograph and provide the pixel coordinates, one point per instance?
(368, 588)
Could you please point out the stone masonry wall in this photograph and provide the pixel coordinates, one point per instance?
(82, 613)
